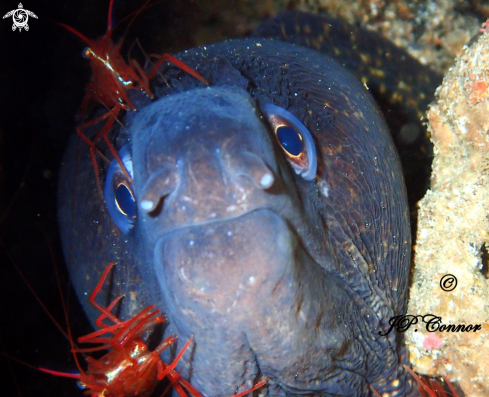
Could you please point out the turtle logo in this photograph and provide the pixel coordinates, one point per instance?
(20, 18)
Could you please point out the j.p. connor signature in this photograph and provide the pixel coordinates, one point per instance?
(433, 323)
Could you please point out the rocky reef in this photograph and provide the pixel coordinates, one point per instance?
(452, 234)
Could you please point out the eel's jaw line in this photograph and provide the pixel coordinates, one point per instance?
(187, 225)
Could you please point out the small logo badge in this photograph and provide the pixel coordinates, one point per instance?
(448, 282)
(20, 16)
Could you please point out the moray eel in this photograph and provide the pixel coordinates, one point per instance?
(266, 216)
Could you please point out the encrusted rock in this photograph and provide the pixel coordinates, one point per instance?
(453, 229)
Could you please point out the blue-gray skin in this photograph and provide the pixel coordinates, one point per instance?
(292, 281)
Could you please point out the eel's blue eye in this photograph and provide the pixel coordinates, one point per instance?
(295, 140)
(125, 201)
(119, 193)
(290, 140)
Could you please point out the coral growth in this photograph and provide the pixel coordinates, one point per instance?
(453, 229)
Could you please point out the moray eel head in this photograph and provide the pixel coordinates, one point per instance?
(268, 219)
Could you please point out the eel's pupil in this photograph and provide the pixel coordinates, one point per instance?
(125, 201)
(290, 140)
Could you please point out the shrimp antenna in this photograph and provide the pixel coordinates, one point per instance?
(77, 33)
(109, 18)
(64, 304)
(67, 335)
(22, 276)
(134, 15)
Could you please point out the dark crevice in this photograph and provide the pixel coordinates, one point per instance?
(484, 261)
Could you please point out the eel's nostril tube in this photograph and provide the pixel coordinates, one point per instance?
(159, 185)
(252, 167)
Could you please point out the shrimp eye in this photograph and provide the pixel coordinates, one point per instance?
(87, 52)
(81, 385)
(294, 139)
(119, 193)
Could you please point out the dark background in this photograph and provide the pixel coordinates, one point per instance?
(42, 80)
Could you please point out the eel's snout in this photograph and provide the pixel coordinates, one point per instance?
(206, 156)
(212, 180)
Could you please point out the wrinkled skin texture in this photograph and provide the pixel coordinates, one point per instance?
(292, 282)
(402, 87)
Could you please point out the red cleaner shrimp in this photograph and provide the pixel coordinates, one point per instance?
(129, 368)
(112, 77)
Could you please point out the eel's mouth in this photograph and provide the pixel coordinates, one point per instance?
(281, 206)
(215, 219)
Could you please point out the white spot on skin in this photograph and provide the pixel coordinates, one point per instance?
(266, 180)
(323, 188)
(251, 280)
(146, 205)
(230, 233)
(191, 243)
(230, 208)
